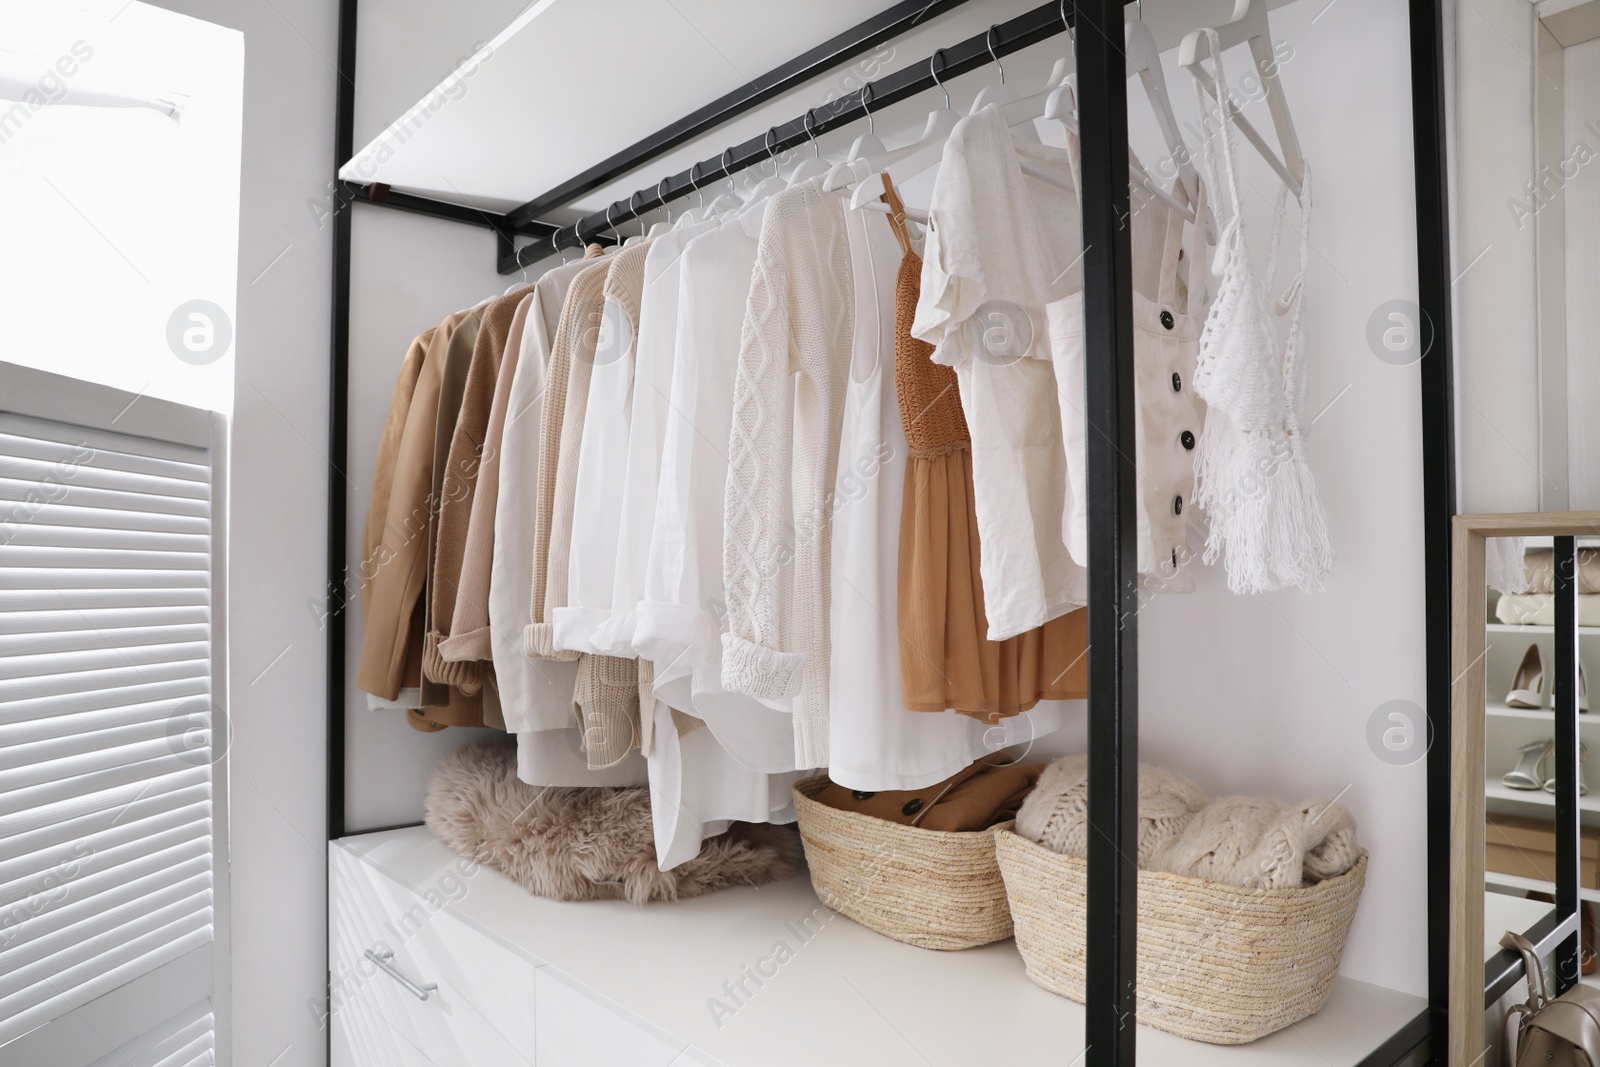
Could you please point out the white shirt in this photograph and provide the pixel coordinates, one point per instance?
(874, 742)
(681, 619)
(602, 459)
(999, 256)
(535, 695)
(652, 383)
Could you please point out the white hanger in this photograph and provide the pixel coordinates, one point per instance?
(1020, 111)
(1250, 25)
(728, 199)
(773, 184)
(814, 165)
(1062, 108)
(916, 157)
(693, 215)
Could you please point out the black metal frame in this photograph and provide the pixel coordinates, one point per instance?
(1113, 717)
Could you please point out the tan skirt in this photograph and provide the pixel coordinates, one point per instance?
(946, 662)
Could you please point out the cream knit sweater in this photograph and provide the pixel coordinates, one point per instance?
(794, 358)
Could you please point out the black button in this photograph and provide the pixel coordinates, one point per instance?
(1166, 319)
(860, 795)
(913, 806)
(1177, 383)
(1177, 505)
(1187, 439)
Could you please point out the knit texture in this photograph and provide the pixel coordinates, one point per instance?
(383, 468)
(794, 355)
(1253, 842)
(470, 449)
(607, 699)
(579, 315)
(1265, 519)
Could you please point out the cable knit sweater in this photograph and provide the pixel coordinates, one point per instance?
(570, 363)
(794, 357)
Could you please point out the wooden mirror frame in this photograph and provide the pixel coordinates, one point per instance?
(1468, 649)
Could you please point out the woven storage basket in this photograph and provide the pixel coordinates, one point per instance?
(930, 888)
(1216, 962)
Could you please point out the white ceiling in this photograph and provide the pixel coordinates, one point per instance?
(568, 83)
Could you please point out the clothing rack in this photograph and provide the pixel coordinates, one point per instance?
(1113, 591)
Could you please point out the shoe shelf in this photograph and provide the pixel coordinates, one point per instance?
(1516, 883)
(1494, 789)
(1541, 714)
(1531, 628)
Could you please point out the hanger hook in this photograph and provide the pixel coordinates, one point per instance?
(815, 148)
(611, 225)
(727, 163)
(768, 142)
(988, 39)
(938, 57)
(694, 183)
(635, 211)
(867, 93)
(661, 196)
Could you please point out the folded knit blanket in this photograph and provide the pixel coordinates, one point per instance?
(1253, 842)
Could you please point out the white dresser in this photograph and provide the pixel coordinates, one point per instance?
(743, 978)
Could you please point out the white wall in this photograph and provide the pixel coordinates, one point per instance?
(1497, 385)
(1232, 693)
(279, 482)
(1582, 195)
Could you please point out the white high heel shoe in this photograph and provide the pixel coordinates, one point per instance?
(1529, 771)
(1583, 787)
(1527, 685)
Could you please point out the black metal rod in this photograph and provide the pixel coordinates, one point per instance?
(357, 193)
(1027, 29)
(1506, 968)
(899, 19)
(333, 617)
(1565, 691)
(1429, 133)
(1113, 559)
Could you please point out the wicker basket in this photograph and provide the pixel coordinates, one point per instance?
(929, 888)
(1216, 962)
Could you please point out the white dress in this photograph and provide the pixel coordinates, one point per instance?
(875, 742)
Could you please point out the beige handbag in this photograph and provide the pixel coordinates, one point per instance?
(1564, 1032)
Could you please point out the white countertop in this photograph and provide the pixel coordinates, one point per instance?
(845, 995)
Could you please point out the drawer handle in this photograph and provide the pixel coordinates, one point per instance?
(384, 961)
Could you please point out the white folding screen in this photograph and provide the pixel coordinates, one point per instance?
(112, 725)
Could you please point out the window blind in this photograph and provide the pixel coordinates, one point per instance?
(108, 726)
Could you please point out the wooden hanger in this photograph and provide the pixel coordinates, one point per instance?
(1250, 25)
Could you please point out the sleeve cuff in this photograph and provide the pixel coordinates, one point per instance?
(758, 671)
(539, 642)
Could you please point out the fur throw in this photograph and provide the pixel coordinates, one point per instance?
(1254, 842)
(594, 843)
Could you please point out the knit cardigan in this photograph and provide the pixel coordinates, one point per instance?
(471, 448)
(794, 358)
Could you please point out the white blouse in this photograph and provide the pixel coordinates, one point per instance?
(597, 513)
(998, 263)
(681, 619)
(652, 382)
